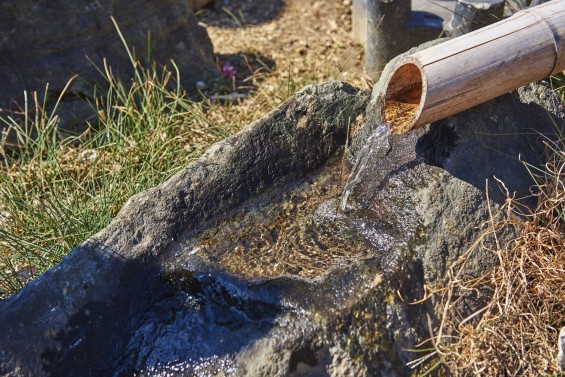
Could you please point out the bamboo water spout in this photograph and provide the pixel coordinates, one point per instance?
(463, 72)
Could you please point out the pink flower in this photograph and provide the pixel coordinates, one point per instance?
(228, 71)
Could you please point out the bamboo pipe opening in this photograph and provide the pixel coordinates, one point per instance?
(403, 99)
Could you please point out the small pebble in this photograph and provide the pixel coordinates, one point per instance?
(201, 85)
(88, 155)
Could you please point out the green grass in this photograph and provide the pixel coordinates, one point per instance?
(55, 192)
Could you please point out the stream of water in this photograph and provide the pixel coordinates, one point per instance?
(377, 144)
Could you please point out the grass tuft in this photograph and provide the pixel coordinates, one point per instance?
(56, 192)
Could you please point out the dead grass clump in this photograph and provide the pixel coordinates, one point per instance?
(516, 332)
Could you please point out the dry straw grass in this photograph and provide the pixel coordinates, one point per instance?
(516, 332)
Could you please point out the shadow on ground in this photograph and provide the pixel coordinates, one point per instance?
(240, 13)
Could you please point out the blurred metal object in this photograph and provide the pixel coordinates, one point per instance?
(470, 15)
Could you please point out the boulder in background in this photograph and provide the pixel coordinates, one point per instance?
(50, 41)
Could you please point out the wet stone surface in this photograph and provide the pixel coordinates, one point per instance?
(265, 273)
(293, 230)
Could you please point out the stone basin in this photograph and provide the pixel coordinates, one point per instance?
(244, 264)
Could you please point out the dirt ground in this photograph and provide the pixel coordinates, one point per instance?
(294, 41)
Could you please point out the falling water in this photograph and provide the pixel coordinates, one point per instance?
(377, 143)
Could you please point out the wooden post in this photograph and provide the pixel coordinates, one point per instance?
(385, 30)
(388, 28)
(468, 70)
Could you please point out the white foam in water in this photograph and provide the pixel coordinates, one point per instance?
(377, 143)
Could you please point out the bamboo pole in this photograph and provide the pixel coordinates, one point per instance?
(468, 70)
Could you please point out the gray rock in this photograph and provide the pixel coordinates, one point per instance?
(50, 41)
(243, 265)
(436, 181)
